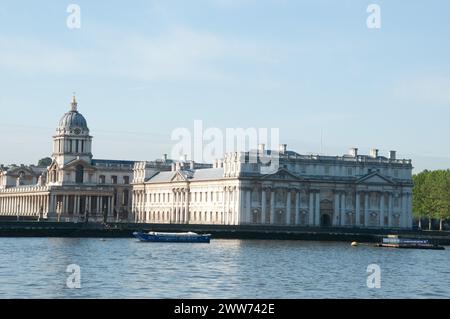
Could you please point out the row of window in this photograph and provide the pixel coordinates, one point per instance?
(114, 180)
(195, 196)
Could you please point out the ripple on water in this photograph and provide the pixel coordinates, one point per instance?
(124, 268)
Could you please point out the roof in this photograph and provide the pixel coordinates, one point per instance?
(191, 175)
(116, 162)
(71, 120)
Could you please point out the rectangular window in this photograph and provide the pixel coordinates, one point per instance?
(349, 171)
(102, 179)
(114, 179)
(76, 146)
(126, 180)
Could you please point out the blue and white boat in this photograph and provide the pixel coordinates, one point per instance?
(157, 237)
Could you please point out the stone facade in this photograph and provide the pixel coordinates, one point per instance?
(75, 187)
(267, 187)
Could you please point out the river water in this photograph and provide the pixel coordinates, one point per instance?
(125, 268)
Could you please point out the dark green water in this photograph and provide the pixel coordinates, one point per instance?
(125, 268)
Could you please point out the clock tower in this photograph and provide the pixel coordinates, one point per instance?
(72, 140)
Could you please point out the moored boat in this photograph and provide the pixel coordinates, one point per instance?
(159, 237)
(394, 241)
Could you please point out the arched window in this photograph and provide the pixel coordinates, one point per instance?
(79, 172)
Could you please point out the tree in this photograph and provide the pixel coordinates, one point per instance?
(46, 161)
(431, 196)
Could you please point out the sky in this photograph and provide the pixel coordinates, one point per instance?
(312, 69)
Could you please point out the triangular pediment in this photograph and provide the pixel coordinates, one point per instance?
(375, 178)
(281, 174)
(178, 177)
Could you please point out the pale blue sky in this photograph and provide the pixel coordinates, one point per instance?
(143, 68)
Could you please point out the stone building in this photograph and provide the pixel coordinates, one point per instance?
(282, 187)
(75, 187)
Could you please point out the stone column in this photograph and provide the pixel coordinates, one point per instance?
(237, 205)
(409, 211)
(288, 207)
(311, 209)
(404, 212)
(317, 208)
(186, 207)
(98, 208)
(343, 202)
(297, 207)
(226, 198)
(76, 205)
(111, 204)
(65, 204)
(248, 206)
(263, 206)
(381, 222)
(366, 209)
(336, 215)
(272, 206)
(357, 209)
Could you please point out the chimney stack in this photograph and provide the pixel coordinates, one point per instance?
(283, 148)
(353, 152)
(374, 153)
(165, 157)
(392, 155)
(192, 165)
(261, 148)
(174, 167)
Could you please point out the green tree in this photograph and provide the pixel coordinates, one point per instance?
(431, 196)
(46, 161)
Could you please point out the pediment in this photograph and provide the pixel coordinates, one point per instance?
(281, 174)
(178, 177)
(375, 178)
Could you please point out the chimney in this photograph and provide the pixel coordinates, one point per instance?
(283, 148)
(185, 158)
(392, 155)
(261, 148)
(192, 165)
(219, 164)
(174, 167)
(353, 152)
(165, 157)
(374, 153)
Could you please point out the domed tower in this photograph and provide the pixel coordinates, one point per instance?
(72, 140)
